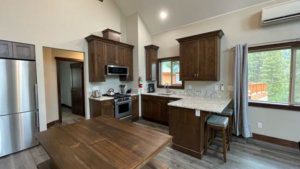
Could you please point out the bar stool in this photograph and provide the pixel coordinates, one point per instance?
(219, 123)
(228, 113)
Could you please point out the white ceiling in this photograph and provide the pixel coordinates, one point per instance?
(180, 12)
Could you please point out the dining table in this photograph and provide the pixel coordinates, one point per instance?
(103, 143)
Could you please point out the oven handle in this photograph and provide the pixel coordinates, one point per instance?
(124, 102)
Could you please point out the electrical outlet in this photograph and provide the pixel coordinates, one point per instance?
(222, 87)
(259, 125)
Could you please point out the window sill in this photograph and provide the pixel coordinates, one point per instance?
(279, 106)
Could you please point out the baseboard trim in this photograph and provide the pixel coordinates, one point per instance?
(52, 123)
(70, 107)
(274, 140)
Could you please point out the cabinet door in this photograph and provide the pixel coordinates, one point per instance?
(189, 60)
(128, 61)
(111, 54)
(6, 49)
(208, 59)
(107, 108)
(135, 107)
(97, 61)
(148, 65)
(164, 114)
(23, 51)
(120, 60)
(146, 107)
(95, 108)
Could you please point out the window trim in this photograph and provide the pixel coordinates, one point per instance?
(175, 58)
(292, 105)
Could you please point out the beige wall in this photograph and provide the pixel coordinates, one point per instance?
(59, 24)
(240, 27)
(50, 74)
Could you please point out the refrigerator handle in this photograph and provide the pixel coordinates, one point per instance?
(36, 105)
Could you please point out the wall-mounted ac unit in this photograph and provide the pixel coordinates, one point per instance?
(281, 12)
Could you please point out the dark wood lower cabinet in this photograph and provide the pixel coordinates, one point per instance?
(102, 108)
(135, 107)
(187, 130)
(156, 108)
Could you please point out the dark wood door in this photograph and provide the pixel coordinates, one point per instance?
(189, 60)
(111, 54)
(97, 61)
(77, 90)
(108, 108)
(120, 59)
(135, 107)
(146, 107)
(6, 49)
(128, 61)
(23, 51)
(208, 59)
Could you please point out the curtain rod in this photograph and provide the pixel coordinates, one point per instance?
(274, 42)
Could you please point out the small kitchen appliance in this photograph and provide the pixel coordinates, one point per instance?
(123, 88)
(151, 88)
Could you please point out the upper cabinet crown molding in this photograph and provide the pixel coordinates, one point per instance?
(94, 37)
(218, 33)
(154, 47)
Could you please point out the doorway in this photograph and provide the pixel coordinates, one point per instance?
(70, 85)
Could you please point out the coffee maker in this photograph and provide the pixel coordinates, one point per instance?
(151, 88)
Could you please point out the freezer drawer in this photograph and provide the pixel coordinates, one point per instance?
(17, 86)
(17, 132)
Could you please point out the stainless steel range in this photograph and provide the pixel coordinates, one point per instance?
(122, 105)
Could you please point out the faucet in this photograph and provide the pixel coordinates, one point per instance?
(167, 86)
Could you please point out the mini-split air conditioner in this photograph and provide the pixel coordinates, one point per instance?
(282, 12)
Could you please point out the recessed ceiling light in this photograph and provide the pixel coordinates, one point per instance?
(163, 15)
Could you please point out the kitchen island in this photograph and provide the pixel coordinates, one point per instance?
(187, 118)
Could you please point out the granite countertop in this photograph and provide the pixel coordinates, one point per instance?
(215, 105)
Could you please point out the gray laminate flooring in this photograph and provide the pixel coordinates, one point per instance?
(244, 154)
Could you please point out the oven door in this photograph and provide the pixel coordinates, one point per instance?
(122, 109)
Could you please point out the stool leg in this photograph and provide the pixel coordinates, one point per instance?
(230, 131)
(228, 138)
(224, 144)
(206, 140)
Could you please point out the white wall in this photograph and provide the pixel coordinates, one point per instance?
(240, 27)
(65, 83)
(59, 24)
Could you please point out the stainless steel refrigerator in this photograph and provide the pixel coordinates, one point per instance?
(18, 106)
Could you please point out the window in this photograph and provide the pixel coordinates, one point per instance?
(274, 73)
(169, 73)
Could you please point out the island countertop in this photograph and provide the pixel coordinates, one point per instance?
(214, 105)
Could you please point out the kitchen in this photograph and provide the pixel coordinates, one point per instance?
(175, 86)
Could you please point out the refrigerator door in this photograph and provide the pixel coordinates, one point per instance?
(17, 86)
(17, 132)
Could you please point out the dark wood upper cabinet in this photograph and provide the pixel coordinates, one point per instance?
(104, 52)
(200, 57)
(151, 62)
(14, 50)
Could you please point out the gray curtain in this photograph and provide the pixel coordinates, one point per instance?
(241, 124)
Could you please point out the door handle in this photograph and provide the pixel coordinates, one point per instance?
(36, 106)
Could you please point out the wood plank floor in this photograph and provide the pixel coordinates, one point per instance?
(244, 154)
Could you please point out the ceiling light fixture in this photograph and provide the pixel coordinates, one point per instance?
(163, 15)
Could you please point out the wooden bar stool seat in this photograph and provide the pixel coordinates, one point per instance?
(219, 123)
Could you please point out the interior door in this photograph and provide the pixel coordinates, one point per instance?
(77, 90)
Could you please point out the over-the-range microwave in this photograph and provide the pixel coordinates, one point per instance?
(116, 70)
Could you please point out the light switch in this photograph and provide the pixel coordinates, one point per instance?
(259, 125)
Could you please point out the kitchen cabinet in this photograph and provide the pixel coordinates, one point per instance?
(135, 107)
(151, 62)
(200, 57)
(102, 108)
(14, 50)
(156, 108)
(104, 52)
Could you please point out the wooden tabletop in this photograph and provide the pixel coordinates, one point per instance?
(102, 143)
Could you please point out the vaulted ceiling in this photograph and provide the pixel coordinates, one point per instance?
(180, 12)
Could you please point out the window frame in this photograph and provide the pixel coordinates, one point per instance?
(291, 105)
(158, 70)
